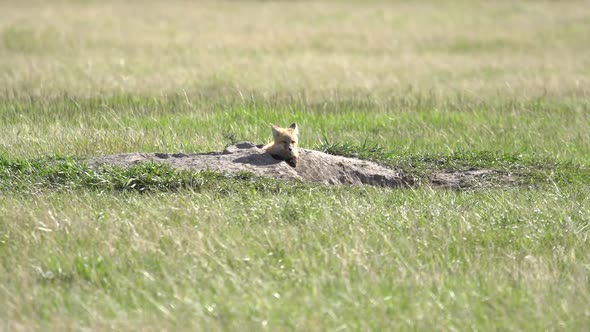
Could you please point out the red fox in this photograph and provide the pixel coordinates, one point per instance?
(285, 143)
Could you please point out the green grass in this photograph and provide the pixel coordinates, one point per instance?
(410, 123)
(364, 258)
(422, 87)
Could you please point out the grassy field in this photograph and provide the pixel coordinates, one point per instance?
(418, 86)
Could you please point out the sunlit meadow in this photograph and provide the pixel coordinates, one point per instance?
(418, 86)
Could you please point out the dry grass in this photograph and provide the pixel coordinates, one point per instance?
(482, 48)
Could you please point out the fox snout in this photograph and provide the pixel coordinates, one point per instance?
(287, 151)
(290, 148)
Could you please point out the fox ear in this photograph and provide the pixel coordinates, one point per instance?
(275, 130)
(294, 127)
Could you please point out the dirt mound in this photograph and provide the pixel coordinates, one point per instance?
(475, 178)
(314, 166)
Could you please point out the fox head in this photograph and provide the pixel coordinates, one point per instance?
(285, 142)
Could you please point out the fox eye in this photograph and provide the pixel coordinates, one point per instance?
(292, 142)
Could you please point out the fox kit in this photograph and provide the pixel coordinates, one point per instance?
(285, 143)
